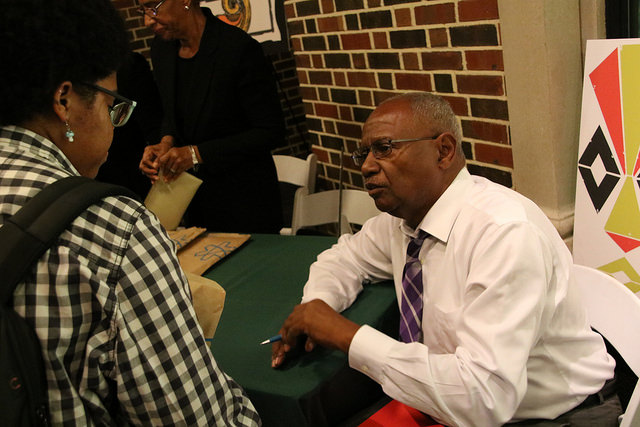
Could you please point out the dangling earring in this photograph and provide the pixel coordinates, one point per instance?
(69, 133)
(186, 7)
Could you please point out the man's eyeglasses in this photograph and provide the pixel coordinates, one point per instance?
(120, 112)
(381, 148)
(151, 12)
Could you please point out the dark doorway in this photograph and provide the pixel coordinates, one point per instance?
(622, 18)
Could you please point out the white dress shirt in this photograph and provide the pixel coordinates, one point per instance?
(505, 334)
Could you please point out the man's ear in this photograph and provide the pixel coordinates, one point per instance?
(62, 100)
(447, 150)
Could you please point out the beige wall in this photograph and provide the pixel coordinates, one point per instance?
(543, 58)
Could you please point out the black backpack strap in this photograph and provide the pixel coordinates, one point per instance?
(33, 229)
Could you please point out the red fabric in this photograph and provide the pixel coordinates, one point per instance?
(395, 414)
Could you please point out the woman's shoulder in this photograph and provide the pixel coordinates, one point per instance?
(107, 228)
(229, 33)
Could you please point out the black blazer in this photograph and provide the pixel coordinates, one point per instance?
(235, 119)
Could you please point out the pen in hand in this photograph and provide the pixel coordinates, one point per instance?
(272, 339)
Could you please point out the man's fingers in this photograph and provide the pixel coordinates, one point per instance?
(309, 345)
(277, 354)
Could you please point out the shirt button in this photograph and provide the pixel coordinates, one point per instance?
(365, 368)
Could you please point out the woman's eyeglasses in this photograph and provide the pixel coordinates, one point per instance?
(120, 112)
(381, 148)
(151, 12)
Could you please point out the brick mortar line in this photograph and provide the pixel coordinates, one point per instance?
(419, 50)
(393, 7)
(488, 73)
(467, 118)
(456, 23)
(425, 27)
(409, 49)
(399, 51)
(459, 94)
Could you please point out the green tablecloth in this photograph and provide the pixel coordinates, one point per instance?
(264, 280)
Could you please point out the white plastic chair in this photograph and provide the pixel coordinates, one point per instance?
(300, 172)
(321, 208)
(614, 311)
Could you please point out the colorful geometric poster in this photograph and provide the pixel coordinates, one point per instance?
(256, 17)
(607, 214)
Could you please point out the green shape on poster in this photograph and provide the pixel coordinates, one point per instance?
(623, 265)
(625, 215)
(629, 66)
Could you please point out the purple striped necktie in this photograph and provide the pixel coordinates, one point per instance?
(411, 304)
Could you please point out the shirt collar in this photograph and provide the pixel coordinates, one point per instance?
(37, 145)
(439, 221)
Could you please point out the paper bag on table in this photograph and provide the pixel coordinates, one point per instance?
(169, 200)
(208, 302)
(207, 249)
(184, 236)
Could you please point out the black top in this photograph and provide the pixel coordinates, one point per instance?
(232, 113)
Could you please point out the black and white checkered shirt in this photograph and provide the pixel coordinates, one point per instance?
(112, 309)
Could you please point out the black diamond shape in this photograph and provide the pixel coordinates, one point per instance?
(598, 147)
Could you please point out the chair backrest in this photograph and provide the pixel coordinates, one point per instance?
(321, 208)
(297, 171)
(358, 206)
(292, 174)
(614, 311)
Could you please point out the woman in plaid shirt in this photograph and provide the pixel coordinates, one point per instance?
(109, 302)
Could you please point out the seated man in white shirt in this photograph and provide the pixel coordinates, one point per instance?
(492, 329)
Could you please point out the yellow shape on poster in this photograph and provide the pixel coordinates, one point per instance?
(630, 64)
(622, 265)
(625, 208)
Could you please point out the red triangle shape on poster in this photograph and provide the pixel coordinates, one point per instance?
(606, 86)
(626, 243)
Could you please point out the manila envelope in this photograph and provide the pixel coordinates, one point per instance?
(169, 200)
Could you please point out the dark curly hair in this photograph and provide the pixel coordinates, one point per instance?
(46, 42)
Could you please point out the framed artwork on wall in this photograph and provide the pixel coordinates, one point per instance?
(262, 19)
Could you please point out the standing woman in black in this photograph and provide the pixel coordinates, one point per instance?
(222, 117)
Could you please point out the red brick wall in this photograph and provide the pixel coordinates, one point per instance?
(348, 55)
(139, 35)
(351, 54)
(297, 136)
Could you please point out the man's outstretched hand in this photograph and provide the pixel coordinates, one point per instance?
(320, 323)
